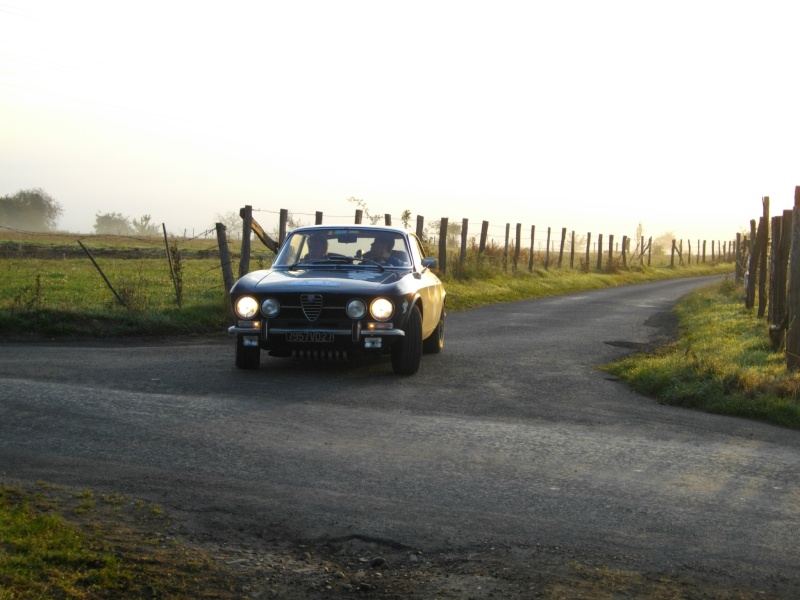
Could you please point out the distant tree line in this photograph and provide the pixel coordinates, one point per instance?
(118, 224)
(31, 210)
(36, 210)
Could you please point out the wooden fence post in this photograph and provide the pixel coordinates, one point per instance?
(103, 275)
(505, 248)
(547, 252)
(420, 226)
(738, 266)
(387, 219)
(793, 298)
(484, 235)
(318, 218)
(175, 283)
(610, 253)
(572, 251)
(752, 267)
(224, 258)
(778, 289)
(774, 285)
(599, 251)
(443, 246)
(464, 230)
(774, 252)
(762, 267)
(359, 216)
(588, 250)
(283, 221)
(530, 258)
(641, 254)
(244, 260)
(624, 251)
(763, 243)
(517, 245)
(561, 247)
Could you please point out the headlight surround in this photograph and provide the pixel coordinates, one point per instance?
(246, 307)
(356, 309)
(270, 308)
(381, 309)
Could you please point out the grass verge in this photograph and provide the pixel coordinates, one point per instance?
(497, 287)
(723, 362)
(60, 544)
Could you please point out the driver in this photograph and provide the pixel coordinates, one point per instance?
(381, 250)
(317, 247)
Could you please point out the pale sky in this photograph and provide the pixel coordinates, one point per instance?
(594, 116)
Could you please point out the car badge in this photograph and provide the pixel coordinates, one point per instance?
(311, 305)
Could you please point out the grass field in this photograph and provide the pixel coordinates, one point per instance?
(51, 286)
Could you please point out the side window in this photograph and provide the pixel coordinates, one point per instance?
(290, 251)
(417, 253)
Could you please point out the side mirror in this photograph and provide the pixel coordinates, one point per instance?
(429, 263)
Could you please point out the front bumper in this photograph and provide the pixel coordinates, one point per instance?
(367, 335)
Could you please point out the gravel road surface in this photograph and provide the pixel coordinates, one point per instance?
(510, 446)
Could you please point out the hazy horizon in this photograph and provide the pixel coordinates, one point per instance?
(597, 117)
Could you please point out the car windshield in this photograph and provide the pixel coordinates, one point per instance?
(325, 247)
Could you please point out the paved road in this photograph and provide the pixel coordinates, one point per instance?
(510, 438)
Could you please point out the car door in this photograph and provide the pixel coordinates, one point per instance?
(431, 289)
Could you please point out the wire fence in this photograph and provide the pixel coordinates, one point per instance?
(153, 272)
(143, 273)
(504, 244)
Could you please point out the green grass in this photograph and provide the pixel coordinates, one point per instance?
(51, 288)
(56, 297)
(58, 544)
(499, 286)
(723, 362)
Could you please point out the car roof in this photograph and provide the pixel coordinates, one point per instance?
(368, 228)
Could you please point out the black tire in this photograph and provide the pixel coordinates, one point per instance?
(247, 357)
(435, 341)
(407, 351)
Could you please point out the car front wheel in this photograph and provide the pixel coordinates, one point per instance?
(407, 351)
(247, 357)
(435, 342)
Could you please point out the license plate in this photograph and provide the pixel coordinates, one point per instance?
(309, 337)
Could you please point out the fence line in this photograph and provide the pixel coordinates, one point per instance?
(511, 245)
(768, 265)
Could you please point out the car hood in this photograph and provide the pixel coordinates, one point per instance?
(352, 280)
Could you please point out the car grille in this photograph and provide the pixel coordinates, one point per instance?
(311, 305)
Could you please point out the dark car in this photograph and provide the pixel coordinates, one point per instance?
(342, 291)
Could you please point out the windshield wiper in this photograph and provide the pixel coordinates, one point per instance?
(338, 259)
(369, 261)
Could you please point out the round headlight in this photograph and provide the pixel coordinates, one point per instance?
(270, 307)
(356, 309)
(381, 309)
(246, 307)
